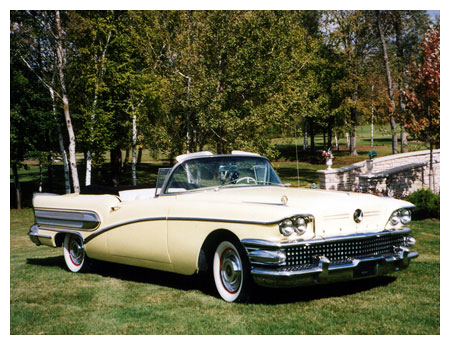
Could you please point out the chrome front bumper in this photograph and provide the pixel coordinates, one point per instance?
(336, 259)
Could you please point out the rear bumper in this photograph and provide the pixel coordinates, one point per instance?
(38, 238)
(269, 264)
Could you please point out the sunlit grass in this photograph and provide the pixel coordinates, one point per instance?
(116, 299)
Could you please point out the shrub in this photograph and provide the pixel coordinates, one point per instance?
(427, 204)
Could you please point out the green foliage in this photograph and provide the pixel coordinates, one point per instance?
(427, 204)
(216, 80)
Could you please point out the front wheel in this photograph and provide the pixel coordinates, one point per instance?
(231, 272)
(74, 254)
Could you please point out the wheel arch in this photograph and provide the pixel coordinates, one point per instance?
(59, 239)
(209, 246)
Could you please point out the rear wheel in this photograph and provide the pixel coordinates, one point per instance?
(231, 272)
(74, 254)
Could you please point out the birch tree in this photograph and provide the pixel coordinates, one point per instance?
(34, 41)
(61, 64)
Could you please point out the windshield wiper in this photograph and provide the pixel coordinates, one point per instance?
(232, 183)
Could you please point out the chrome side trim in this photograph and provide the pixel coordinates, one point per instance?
(111, 227)
(83, 220)
(62, 230)
(240, 221)
(267, 257)
(250, 242)
(215, 220)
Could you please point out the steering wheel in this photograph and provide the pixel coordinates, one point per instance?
(248, 178)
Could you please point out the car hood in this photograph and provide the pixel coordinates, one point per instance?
(333, 211)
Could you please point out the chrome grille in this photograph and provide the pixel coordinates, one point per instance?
(340, 252)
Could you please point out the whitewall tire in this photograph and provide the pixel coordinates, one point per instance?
(74, 254)
(231, 272)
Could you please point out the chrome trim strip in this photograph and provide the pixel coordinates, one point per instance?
(110, 227)
(218, 220)
(71, 219)
(250, 242)
(43, 236)
(342, 215)
(264, 203)
(267, 257)
(63, 230)
(215, 220)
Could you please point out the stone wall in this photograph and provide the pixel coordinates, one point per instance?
(395, 175)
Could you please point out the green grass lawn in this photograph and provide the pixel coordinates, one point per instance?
(115, 299)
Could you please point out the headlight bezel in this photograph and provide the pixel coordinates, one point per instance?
(400, 217)
(297, 224)
(406, 213)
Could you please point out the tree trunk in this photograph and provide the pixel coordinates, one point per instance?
(404, 140)
(305, 135)
(61, 143)
(134, 143)
(431, 175)
(371, 121)
(65, 99)
(398, 26)
(88, 179)
(336, 140)
(139, 158)
(17, 187)
(311, 131)
(127, 158)
(389, 85)
(352, 148)
(40, 176)
(329, 135)
(49, 171)
(98, 80)
(116, 164)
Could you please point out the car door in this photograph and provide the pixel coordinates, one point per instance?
(141, 232)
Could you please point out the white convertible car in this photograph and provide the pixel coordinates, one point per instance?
(230, 215)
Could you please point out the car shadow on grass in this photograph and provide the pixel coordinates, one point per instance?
(263, 295)
(203, 283)
(54, 261)
(135, 274)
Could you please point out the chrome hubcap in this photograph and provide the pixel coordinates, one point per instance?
(76, 251)
(230, 270)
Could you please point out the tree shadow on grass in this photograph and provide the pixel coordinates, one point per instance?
(204, 284)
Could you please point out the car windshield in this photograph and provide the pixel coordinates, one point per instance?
(224, 171)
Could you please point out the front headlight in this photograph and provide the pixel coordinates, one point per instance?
(402, 215)
(405, 215)
(394, 218)
(300, 225)
(294, 224)
(287, 227)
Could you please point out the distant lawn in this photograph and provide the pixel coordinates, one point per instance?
(285, 164)
(115, 299)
